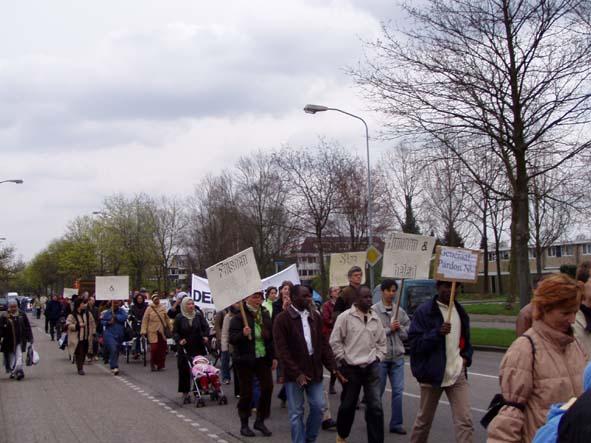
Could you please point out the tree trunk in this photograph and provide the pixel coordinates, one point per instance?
(484, 245)
(520, 275)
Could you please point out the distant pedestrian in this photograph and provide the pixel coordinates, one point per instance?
(136, 315)
(270, 297)
(392, 367)
(37, 306)
(227, 349)
(253, 355)
(93, 345)
(113, 321)
(349, 293)
(153, 326)
(281, 304)
(358, 341)
(53, 312)
(16, 335)
(582, 325)
(81, 329)
(440, 355)
(328, 324)
(544, 366)
(190, 332)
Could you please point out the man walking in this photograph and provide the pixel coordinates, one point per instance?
(349, 293)
(440, 354)
(358, 341)
(53, 311)
(392, 367)
(302, 350)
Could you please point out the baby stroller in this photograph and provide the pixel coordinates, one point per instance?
(206, 380)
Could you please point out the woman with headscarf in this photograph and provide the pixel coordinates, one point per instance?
(190, 333)
(81, 328)
(154, 324)
(16, 334)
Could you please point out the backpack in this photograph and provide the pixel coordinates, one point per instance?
(498, 401)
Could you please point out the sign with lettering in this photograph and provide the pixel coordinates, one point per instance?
(112, 287)
(341, 263)
(68, 292)
(407, 256)
(234, 278)
(457, 264)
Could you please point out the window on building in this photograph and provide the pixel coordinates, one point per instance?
(504, 255)
(587, 249)
(554, 251)
(492, 256)
(532, 253)
(568, 250)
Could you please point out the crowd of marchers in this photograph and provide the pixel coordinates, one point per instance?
(281, 336)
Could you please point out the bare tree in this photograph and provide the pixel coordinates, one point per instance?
(514, 72)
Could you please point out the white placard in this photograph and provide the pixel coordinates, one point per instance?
(407, 256)
(456, 264)
(68, 292)
(290, 274)
(234, 278)
(341, 263)
(112, 287)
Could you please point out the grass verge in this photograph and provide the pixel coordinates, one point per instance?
(492, 337)
(491, 309)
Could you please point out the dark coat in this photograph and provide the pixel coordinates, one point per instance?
(291, 348)
(427, 346)
(136, 314)
(53, 310)
(15, 331)
(243, 348)
(194, 332)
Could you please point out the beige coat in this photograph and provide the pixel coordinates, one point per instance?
(581, 333)
(151, 324)
(557, 377)
(74, 336)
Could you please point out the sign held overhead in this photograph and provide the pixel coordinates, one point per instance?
(112, 288)
(407, 256)
(457, 264)
(341, 263)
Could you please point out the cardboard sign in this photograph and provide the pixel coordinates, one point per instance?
(407, 256)
(234, 278)
(457, 264)
(342, 262)
(112, 288)
(68, 292)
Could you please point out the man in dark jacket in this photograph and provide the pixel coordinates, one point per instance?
(440, 353)
(253, 355)
(15, 333)
(349, 293)
(302, 349)
(53, 311)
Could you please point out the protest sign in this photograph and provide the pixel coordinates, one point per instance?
(407, 256)
(234, 278)
(457, 264)
(290, 274)
(341, 263)
(112, 288)
(201, 294)
(68, 292)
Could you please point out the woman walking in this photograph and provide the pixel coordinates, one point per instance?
(113, 321)
(253, 355)
(16, 334)
(154, 326)
(81, 328)
(136, 315)
(190, 333)
(543, 366)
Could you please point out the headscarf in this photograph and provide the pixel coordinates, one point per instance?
(184, 310)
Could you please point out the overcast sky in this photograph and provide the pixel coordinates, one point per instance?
(129, 96)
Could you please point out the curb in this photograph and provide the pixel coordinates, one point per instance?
(489, 348)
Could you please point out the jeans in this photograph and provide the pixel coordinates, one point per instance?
(295, 402)
(112, 345)
(394, 370)
(226, 366)
(367, 378)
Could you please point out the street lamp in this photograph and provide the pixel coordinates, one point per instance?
(18, 181)
(313, 109)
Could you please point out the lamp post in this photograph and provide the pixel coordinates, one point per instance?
(313, 109)
(17, 181)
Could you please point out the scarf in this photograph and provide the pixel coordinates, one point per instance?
(259, 343)
(256, 313)
(586, 310)
(184, 310)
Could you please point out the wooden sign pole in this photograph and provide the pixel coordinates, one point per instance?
(399, 299)
(244, 319)
(452, 299)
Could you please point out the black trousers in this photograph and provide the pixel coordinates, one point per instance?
(367, 378)
(80, 353)
(246, 372)
(52, 328)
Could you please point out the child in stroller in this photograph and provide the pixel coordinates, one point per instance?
(207, 379)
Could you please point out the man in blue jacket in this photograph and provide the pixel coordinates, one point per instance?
(440, 353)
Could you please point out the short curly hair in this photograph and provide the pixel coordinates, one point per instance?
(557, 291)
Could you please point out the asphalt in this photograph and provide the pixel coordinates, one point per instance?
(54, 404)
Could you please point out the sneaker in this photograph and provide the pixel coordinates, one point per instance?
(340, 439)
(81, 372)
(115, 371)
(398, 430)
(20, 375)
(328, 424)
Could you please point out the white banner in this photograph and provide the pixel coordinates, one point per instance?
(68, 292)
(290, 274)
(407, 255)
(342, 262)
(112, 288)
(234, 278)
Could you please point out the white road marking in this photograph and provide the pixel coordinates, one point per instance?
(195, 424)
(476, 374)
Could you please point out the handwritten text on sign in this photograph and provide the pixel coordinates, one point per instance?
(341, 263)
(407, 255)
(233, 279)
(457, 264)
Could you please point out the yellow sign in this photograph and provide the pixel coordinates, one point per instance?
(373, 255)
